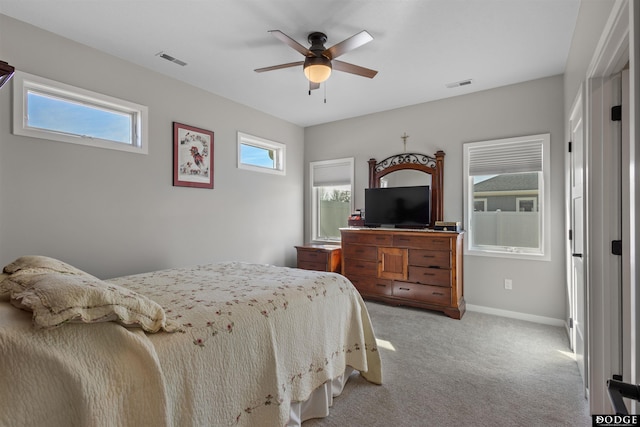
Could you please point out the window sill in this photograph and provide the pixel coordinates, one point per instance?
(508, 255)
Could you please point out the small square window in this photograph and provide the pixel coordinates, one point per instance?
(261, 155)
(479, 205)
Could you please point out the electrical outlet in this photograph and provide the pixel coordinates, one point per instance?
(508, 284)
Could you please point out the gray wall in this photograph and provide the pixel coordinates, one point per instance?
(528, 108)
(113, 213)
(592, 17)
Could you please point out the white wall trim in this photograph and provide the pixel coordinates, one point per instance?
(610, 55)
(516, 315)
(612, 51)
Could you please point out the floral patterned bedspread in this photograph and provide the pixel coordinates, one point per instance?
(253, 339)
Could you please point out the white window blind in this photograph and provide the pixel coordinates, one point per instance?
(332, 172)
(509, 157)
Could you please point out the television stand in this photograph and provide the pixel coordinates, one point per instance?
(416, 268)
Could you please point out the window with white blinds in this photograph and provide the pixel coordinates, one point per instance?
(331, 197)
(511, 177)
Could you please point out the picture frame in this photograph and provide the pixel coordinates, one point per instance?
(192, 156)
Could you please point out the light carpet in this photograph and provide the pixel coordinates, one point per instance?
(482, 370)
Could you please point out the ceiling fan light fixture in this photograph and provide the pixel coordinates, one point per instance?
(6, 72)
(317, 69)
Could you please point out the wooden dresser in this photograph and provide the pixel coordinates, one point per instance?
(319, 257)
(405, 267)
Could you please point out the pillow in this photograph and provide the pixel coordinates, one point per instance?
(58, 293)
(35, 262)
(4, 289)
(32, 264)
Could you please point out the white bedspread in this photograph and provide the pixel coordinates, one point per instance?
(255, 338)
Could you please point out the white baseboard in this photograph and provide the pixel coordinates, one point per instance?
(515, 315)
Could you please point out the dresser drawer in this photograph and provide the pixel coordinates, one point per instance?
(430, 276)
(320, 257)
(367, 239)
(427, 258)
(372, 285)
(424, 293)
(364, 252)
(423, 242)
(312, 256)
(356, 267)
(310, 265)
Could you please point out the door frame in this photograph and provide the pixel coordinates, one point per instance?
(604, 350)
(577, 343)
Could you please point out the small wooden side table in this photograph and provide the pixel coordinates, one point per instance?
(320, 257)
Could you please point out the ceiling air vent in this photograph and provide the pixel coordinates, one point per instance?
(460, 83)
(171, 58)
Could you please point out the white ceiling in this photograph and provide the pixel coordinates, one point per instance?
(419, 46)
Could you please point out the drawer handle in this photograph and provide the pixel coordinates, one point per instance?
(428, 274)
(437, 293)
(359, 251)
(428, 256)
(404, 289)
(381, 285)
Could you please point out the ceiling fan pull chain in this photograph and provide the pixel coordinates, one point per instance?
(325, 92)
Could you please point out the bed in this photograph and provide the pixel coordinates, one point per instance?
(210, 345)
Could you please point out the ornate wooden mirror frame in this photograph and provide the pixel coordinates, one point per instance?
(433, 166)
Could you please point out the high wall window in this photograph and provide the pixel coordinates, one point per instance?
(506, 188)
(47, 109)
(260, 155)
(331, 197)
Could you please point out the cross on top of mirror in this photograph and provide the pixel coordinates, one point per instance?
(404, 140)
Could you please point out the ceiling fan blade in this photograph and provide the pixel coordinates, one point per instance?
(278, 67)
(290, 42)
(353, 69)
(351, 43)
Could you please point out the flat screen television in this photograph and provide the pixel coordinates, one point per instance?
(397, 207)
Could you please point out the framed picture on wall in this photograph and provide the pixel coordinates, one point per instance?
(192, 156)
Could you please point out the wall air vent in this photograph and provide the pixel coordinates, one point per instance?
(170, 58)
(460, 83)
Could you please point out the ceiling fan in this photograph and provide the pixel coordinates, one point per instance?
(319, 60)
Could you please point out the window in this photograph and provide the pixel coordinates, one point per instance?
(526, 204)
(507, 193)
(331, 197)
(260, 155)
(47, 109)
(479, 205)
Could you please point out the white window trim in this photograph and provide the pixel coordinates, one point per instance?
(527, 199)
(544, 208)
(480, 199)
(256, 141)
(23, 82)
(314, 196)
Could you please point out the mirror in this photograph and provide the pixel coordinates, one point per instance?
(411, 169)
(405, 178)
